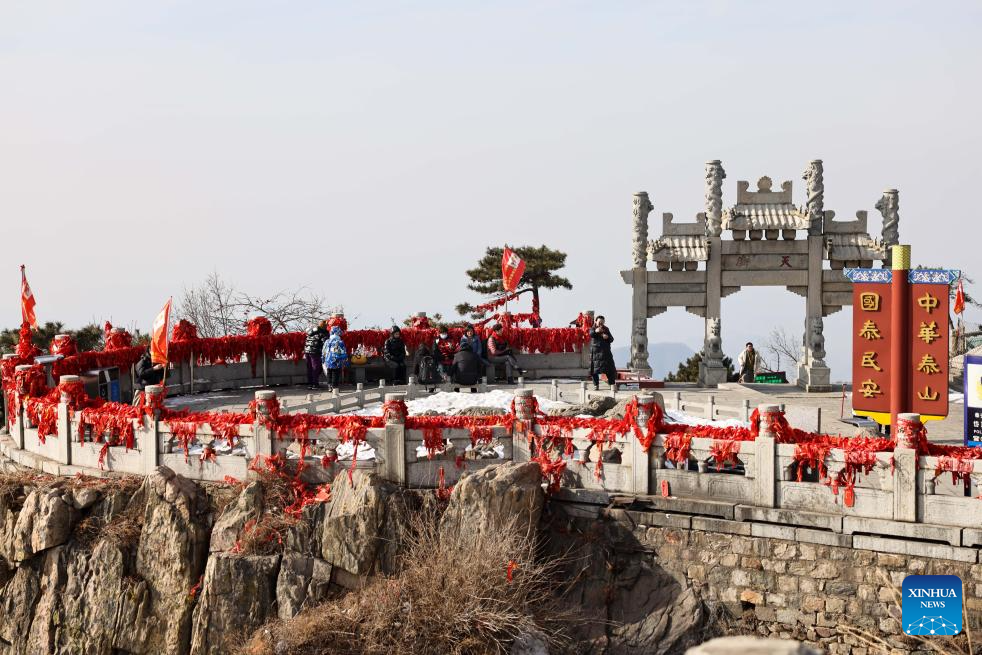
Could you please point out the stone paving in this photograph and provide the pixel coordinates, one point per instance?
(948, 431)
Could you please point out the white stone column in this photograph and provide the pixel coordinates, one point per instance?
(813, 373)
(639, 285)
(394, 462)
(815, 203)
(905, 468)
(712, 372)
(765, 459)
(889, 207)
(524, 412)
(263, 435)
(64, 419)
(21, 397)
(149, 443)
(641, 458)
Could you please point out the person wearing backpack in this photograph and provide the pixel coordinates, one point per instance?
(335, 357)
(466, 368)
(425, 368)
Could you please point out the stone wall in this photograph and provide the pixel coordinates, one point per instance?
(770, 586)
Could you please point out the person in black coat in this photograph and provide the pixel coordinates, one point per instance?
(601, 359)
(147, 374)
(394, 354)
(425, 367)
(312, 353)
(466, 367)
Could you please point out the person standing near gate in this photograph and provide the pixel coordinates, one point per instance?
(312, 353)
(749, 363)
(601, 358)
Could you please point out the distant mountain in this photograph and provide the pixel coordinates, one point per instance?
(664, 358)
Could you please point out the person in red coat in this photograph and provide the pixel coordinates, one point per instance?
(443, 351)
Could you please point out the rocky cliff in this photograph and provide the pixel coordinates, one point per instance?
(164, 565)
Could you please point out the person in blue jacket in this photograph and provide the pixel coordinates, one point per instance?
(335, 357)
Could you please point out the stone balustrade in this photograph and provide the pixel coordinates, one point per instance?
(900, 499)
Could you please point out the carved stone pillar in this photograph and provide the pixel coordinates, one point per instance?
(714, 198)
(712, 372)
(889, 207)
(813, 373)
(639, 284)
(642, 207)
(815, 204)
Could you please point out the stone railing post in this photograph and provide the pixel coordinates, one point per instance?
(394, 457)
(584, 396)
(360, 393)
(149, 443)
(554, 390)
(64, 419)
(905, 468)
(6, 408)
(263, 435)
(411, 387)
(765, 458)
(20, 396)
(641, 458)
(524, 412)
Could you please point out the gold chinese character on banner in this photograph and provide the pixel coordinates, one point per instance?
(927, 394)
(928, 332)
(927, 302)
(928, 365)
(869, 301)
(870, 331)
(869, 361)
(870, 389)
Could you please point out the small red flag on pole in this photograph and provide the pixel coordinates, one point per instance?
(959, 298)
(27, 301)
(158, 339)
(512, 269)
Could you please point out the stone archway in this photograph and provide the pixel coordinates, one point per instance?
(695, 266)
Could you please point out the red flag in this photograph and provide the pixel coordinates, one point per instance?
(158, 338)
(512, 268)
(27, 301)
(959, 298)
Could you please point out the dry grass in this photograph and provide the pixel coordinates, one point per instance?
(961, 644)
(451, 596)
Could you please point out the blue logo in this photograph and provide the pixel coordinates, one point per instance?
(932, 605)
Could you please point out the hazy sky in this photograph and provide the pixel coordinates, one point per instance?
(373, 150)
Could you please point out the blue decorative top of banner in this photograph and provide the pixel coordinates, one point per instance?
(875, 275)
(932, 276)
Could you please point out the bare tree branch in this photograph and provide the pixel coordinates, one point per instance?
(782, 344)
(218, 309)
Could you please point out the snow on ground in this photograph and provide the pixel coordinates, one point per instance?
(678, 417)
(449, 403)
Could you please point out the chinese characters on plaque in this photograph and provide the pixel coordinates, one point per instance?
(872, 341)
(929, 349)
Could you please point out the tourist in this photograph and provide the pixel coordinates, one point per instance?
(466, 368)
(443, 351)
(335, 357)
(312, 348)
(601, 359)
(425, 367)
(474, 341)
(499, 352)
(748, 363)
(394, 354)
(147, 374)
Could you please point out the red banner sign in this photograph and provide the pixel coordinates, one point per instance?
(872, 342)
(929, 349)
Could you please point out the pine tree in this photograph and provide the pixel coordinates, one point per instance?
(688, 370)
(540, 264)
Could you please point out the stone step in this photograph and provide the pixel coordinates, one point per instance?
(914, 548)
(922, 531)
(676, 505)
(796, 517)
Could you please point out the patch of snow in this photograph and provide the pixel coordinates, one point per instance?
(346, 450)
(671, 416)
(448, 403)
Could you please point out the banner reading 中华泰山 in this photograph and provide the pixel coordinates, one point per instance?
(929, 330)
